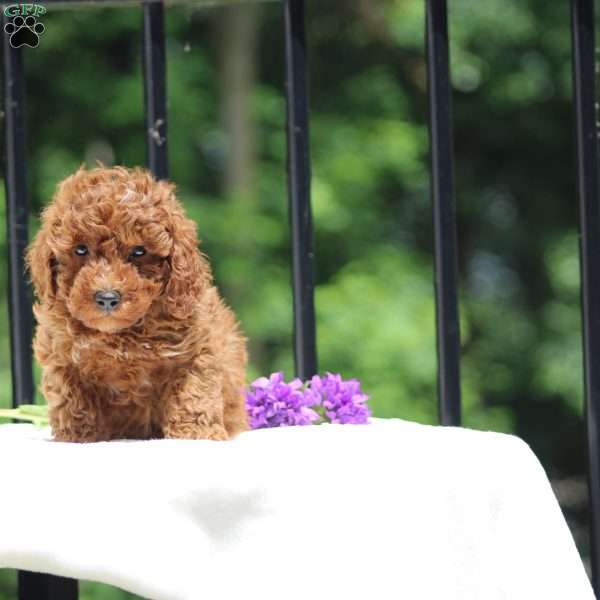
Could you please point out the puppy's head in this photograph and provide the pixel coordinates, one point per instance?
(114, 243)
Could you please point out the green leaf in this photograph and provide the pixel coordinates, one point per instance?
(38, 415)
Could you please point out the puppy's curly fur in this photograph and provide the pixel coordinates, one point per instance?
(169, 360)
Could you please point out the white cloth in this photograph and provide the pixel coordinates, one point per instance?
(387, 510)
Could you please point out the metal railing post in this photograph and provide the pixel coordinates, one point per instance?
(444, 217)
(296, 62)
(155, 88)
(584, 97)
(17, 213)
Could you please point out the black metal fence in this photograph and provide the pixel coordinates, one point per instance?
(45, 587)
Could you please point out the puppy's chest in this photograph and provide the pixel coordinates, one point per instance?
(121, 363)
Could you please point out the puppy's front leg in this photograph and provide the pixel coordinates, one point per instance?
(192, 406)
(73, 414)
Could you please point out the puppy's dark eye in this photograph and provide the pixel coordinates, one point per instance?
(81, 250)
(138, 251)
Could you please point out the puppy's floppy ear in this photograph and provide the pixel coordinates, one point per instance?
(41, 263)
(189, 270)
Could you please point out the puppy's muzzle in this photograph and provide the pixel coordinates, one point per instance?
(107, 300)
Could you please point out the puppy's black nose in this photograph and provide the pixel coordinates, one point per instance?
(107, 300)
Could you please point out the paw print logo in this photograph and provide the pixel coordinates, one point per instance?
(24, 31)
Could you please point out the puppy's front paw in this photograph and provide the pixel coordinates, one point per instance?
(185, 431)
(77, 436)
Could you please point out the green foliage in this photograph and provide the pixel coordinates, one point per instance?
(559, 355)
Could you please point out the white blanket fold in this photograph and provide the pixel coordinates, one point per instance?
(387, 510)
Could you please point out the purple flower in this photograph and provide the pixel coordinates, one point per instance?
(343, 401)
(273, 403)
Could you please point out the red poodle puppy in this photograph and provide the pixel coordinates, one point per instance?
(133, 337)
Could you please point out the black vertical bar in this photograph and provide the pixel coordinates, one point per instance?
(444, 217)
(584, 96)
(19, 304)
(305, 350)
(36, 586)
(155, 88)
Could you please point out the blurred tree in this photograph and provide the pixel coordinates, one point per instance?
(237, 33)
